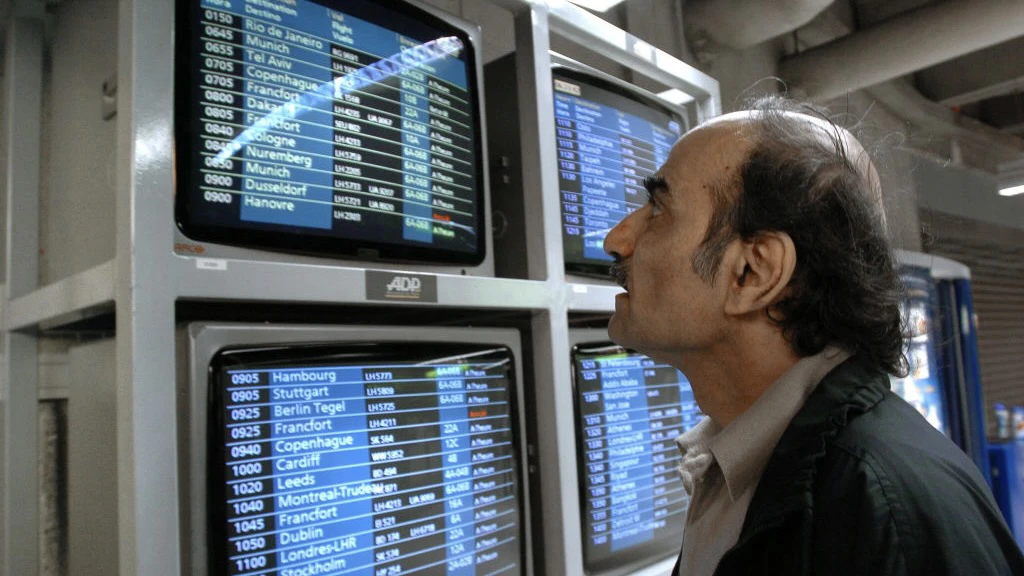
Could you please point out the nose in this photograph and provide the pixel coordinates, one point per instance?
(619, 241)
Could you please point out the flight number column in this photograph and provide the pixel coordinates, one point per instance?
(405, 455)
(368, 143)
(221, 106)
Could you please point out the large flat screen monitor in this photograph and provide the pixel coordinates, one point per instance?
(364, 456)
(629, 410)
(609, 137)
(340, 128)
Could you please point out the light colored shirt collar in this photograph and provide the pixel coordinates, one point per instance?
(742, 448)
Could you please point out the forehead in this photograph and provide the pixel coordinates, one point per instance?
(708, 155)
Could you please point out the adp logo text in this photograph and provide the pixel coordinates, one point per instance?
(404, 287)
(381, 285)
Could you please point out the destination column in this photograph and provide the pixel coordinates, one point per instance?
(600, 167)
(321, 485)
(285, 180)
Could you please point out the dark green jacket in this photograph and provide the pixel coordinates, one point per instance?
(861, 484)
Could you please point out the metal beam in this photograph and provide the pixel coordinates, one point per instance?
(67, 300)
(902, 45)
(984, 74)
(23, 88)
(149, 539)
(711, 25)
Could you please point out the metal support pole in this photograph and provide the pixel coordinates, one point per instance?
(537, 134)
(559, 524)
(23, 86)
(148, 511)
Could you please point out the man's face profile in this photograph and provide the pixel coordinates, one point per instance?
(667, 306)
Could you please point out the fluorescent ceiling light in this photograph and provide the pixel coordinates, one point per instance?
(675, 96)
(596, 5)
(1012, 191)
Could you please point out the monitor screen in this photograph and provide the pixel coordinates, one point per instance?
(364, 460)
(608, 139)
(629, 410)
(341, 128)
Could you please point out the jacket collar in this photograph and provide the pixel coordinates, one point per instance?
(787, 483)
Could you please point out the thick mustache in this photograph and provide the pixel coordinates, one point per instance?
(619, 271)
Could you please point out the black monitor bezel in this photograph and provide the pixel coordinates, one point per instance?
(293, 239)
(638, 556)
(337, 353)
(577, 75)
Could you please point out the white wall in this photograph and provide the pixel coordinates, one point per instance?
(77, 196)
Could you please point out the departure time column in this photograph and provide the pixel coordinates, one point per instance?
(592, 412)
(568, 177)
(248, 467)
(222, 105)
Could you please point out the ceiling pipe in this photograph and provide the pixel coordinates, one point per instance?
(711, 25)
(903, 45)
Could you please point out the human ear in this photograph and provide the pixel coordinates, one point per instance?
(759, 271)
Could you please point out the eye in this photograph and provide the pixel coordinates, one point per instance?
(656, 209)
(656, 187)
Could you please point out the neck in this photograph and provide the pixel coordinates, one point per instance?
(729, 377)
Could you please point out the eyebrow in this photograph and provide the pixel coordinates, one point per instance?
(655, 185)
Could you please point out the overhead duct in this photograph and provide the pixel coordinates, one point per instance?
(710, 25)
(901, 46)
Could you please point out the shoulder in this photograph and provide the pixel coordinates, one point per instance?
(909, 491)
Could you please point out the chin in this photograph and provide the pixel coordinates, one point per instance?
(617, 332)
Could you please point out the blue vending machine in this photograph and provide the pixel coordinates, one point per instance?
(1008, 484)
(944, 383)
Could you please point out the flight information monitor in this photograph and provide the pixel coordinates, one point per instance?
(341, 128)
(629, 411)
(364, 460)
(608, 139)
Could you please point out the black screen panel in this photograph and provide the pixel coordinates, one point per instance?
(346, 129)
(629, 410)
(364, 459)
(608, 139)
